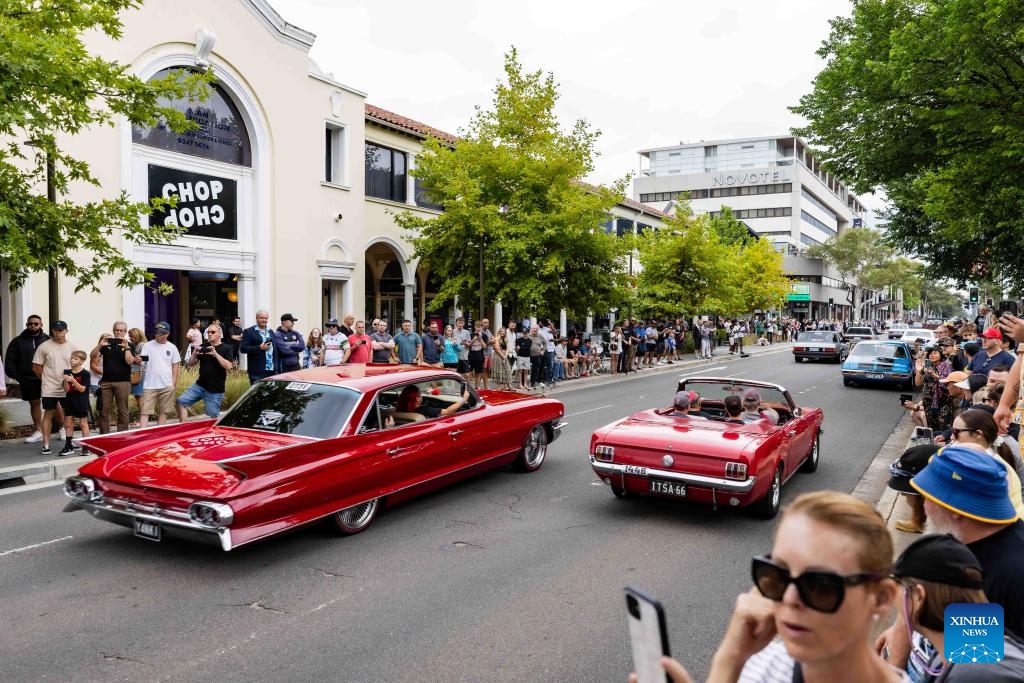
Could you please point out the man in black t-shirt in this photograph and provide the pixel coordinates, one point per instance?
(215, 359)
(233, 335)
(112, 360)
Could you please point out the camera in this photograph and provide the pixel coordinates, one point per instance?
(144, 358)
(68, 373)
(114, 342)
(205, 347)
(361, 342)
(906, 397)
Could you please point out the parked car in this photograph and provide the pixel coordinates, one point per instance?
(820, 344)
(880, 362)
(918, 335)
(332, 443)
(932, 323)
(857, 334)
(658, 453)
(896, 330)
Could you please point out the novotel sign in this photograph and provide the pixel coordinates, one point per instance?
(206, 205)
(749, 178)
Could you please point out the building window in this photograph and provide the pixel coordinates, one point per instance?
(385, 173)
(334, 154)
(808, 240)
(770, 212)
(808, 218)
(623, 226)
(423, 199)
(817, 202)
(772, 188)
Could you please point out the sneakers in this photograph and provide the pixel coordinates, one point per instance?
(35, 438)
(45, 450)
(60, 434)
(67, 450)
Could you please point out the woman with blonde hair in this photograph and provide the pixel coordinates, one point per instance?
(817, 596)
(136, 338)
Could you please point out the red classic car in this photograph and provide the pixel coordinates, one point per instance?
(327, 443)
(709, 459)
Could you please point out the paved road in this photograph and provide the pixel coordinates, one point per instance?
(505, 577)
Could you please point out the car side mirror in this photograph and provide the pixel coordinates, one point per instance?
(798, 411)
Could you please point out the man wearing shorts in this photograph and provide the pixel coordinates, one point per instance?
(51, 360)
(18, 365)
(162, 362)
(215, 358)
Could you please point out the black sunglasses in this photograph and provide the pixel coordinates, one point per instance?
(956, 432)
(821, 591)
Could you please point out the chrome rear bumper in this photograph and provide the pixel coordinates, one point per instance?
(718, 483)
(172, 526)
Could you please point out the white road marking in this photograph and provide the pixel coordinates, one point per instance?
(35, 545)
(610, 405)
(703, 371)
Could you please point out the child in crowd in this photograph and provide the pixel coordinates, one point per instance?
(76, 403)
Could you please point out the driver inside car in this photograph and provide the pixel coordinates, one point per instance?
(754, 411)
(411, 401)
(684, 402)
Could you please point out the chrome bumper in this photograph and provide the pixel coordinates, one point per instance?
(721, 484)
(556, 429)
(176, 526)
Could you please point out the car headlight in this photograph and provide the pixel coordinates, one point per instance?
(604, 453)
(211, 515)
(79, 488)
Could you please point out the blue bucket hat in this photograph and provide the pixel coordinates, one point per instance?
(968, 482)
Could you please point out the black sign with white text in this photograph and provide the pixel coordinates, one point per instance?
(207, 205)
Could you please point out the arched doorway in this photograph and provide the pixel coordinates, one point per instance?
(388, 285)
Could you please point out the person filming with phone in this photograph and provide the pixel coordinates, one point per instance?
(816, 599)
(214, 358)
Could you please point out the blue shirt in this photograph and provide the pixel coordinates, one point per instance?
(982, 362)
(451, 350)
(431, 352)
(406, 345)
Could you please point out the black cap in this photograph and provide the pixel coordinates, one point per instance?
(59, 325)
(289, 316)
(972, 348)
(940, 559)
(910, 463)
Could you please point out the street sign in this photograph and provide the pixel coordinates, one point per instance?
(799, 291)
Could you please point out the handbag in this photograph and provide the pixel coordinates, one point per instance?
(136, 377)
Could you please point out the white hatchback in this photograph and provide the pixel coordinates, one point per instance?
(919, 334)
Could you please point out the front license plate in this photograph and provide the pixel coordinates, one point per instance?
(669, 488)
(148, 530)
(875, 375)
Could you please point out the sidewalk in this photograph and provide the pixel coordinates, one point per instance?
(22, 467)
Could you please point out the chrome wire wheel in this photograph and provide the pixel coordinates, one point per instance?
(768, 506)
(811, 463)
(534, 450)
(354, 519)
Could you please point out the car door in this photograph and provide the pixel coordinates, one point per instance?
(409, 454)
(470, 430)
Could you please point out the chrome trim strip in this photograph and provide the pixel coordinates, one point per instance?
(102, 510)
(729, 485)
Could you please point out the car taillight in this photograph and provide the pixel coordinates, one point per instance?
(79, 488)
(211, 515)
(736, 470)
(604, 453)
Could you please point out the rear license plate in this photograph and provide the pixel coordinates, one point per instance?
(814, 348)
(148, 530)
(875, 375)
(669, 488)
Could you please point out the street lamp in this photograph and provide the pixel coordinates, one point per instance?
(51, 196)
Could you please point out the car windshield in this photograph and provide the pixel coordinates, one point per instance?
(816, 336)
(300, 408)
(717, 391)
(859, 330)
(869, 350)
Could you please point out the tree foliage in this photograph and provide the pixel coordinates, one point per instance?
(511, 195)
(925, 100)
(51, 89)
(690, 266)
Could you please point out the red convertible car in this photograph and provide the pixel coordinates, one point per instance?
(709, 459)
(332, 443)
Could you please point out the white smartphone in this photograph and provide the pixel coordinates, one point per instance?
(648, 636)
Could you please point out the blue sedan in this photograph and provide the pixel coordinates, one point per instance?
(880, 362)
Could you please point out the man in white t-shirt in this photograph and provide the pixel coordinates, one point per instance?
(51, 362)
(162, 361)
(335, 344)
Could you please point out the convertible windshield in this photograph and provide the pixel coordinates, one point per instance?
(878, 351)
(717, 391)
(816, 335)
(299, 408)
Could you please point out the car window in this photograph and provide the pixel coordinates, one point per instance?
(877, 351)
(300, 408)
(717, 391)
(371, 422)
(818, 336)
(437, 395)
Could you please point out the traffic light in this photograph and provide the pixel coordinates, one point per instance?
(831, 302)
(974, 295)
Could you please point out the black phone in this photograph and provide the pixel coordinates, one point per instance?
(68, 372)
(144, 358)
(114, 342)
(906, 397)
(648, 635)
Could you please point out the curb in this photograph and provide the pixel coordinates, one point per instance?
(39, 474)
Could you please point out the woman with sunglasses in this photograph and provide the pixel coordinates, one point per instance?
(934, 572)
(975, 428)
(816, 598)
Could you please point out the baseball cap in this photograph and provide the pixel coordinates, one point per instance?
(685, 398)
(941, 559)
(289, 316)
(969, 482)
(59, 325)
(162, 328)
(910, 463)
(333, 322)
(973, 382)
(751, 396)
(946, 341)
(992, 333)
(954, 377)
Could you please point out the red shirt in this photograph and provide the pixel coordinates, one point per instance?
(360, 352)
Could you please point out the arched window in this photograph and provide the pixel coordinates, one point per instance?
(221, 135)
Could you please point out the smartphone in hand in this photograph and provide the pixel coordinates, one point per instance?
(648, 636)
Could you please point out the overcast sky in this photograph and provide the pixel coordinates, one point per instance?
(646, 73)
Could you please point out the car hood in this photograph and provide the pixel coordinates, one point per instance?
(187, 462)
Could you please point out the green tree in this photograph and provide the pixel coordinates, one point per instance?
(51, 89)
(518, 226)
(855, 253)
(938, 301)
(925, 100)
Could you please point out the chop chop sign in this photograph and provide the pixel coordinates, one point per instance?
(206, 205)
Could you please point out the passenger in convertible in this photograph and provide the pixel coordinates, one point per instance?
(733, 409)
(754, 411)
(684, 403)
